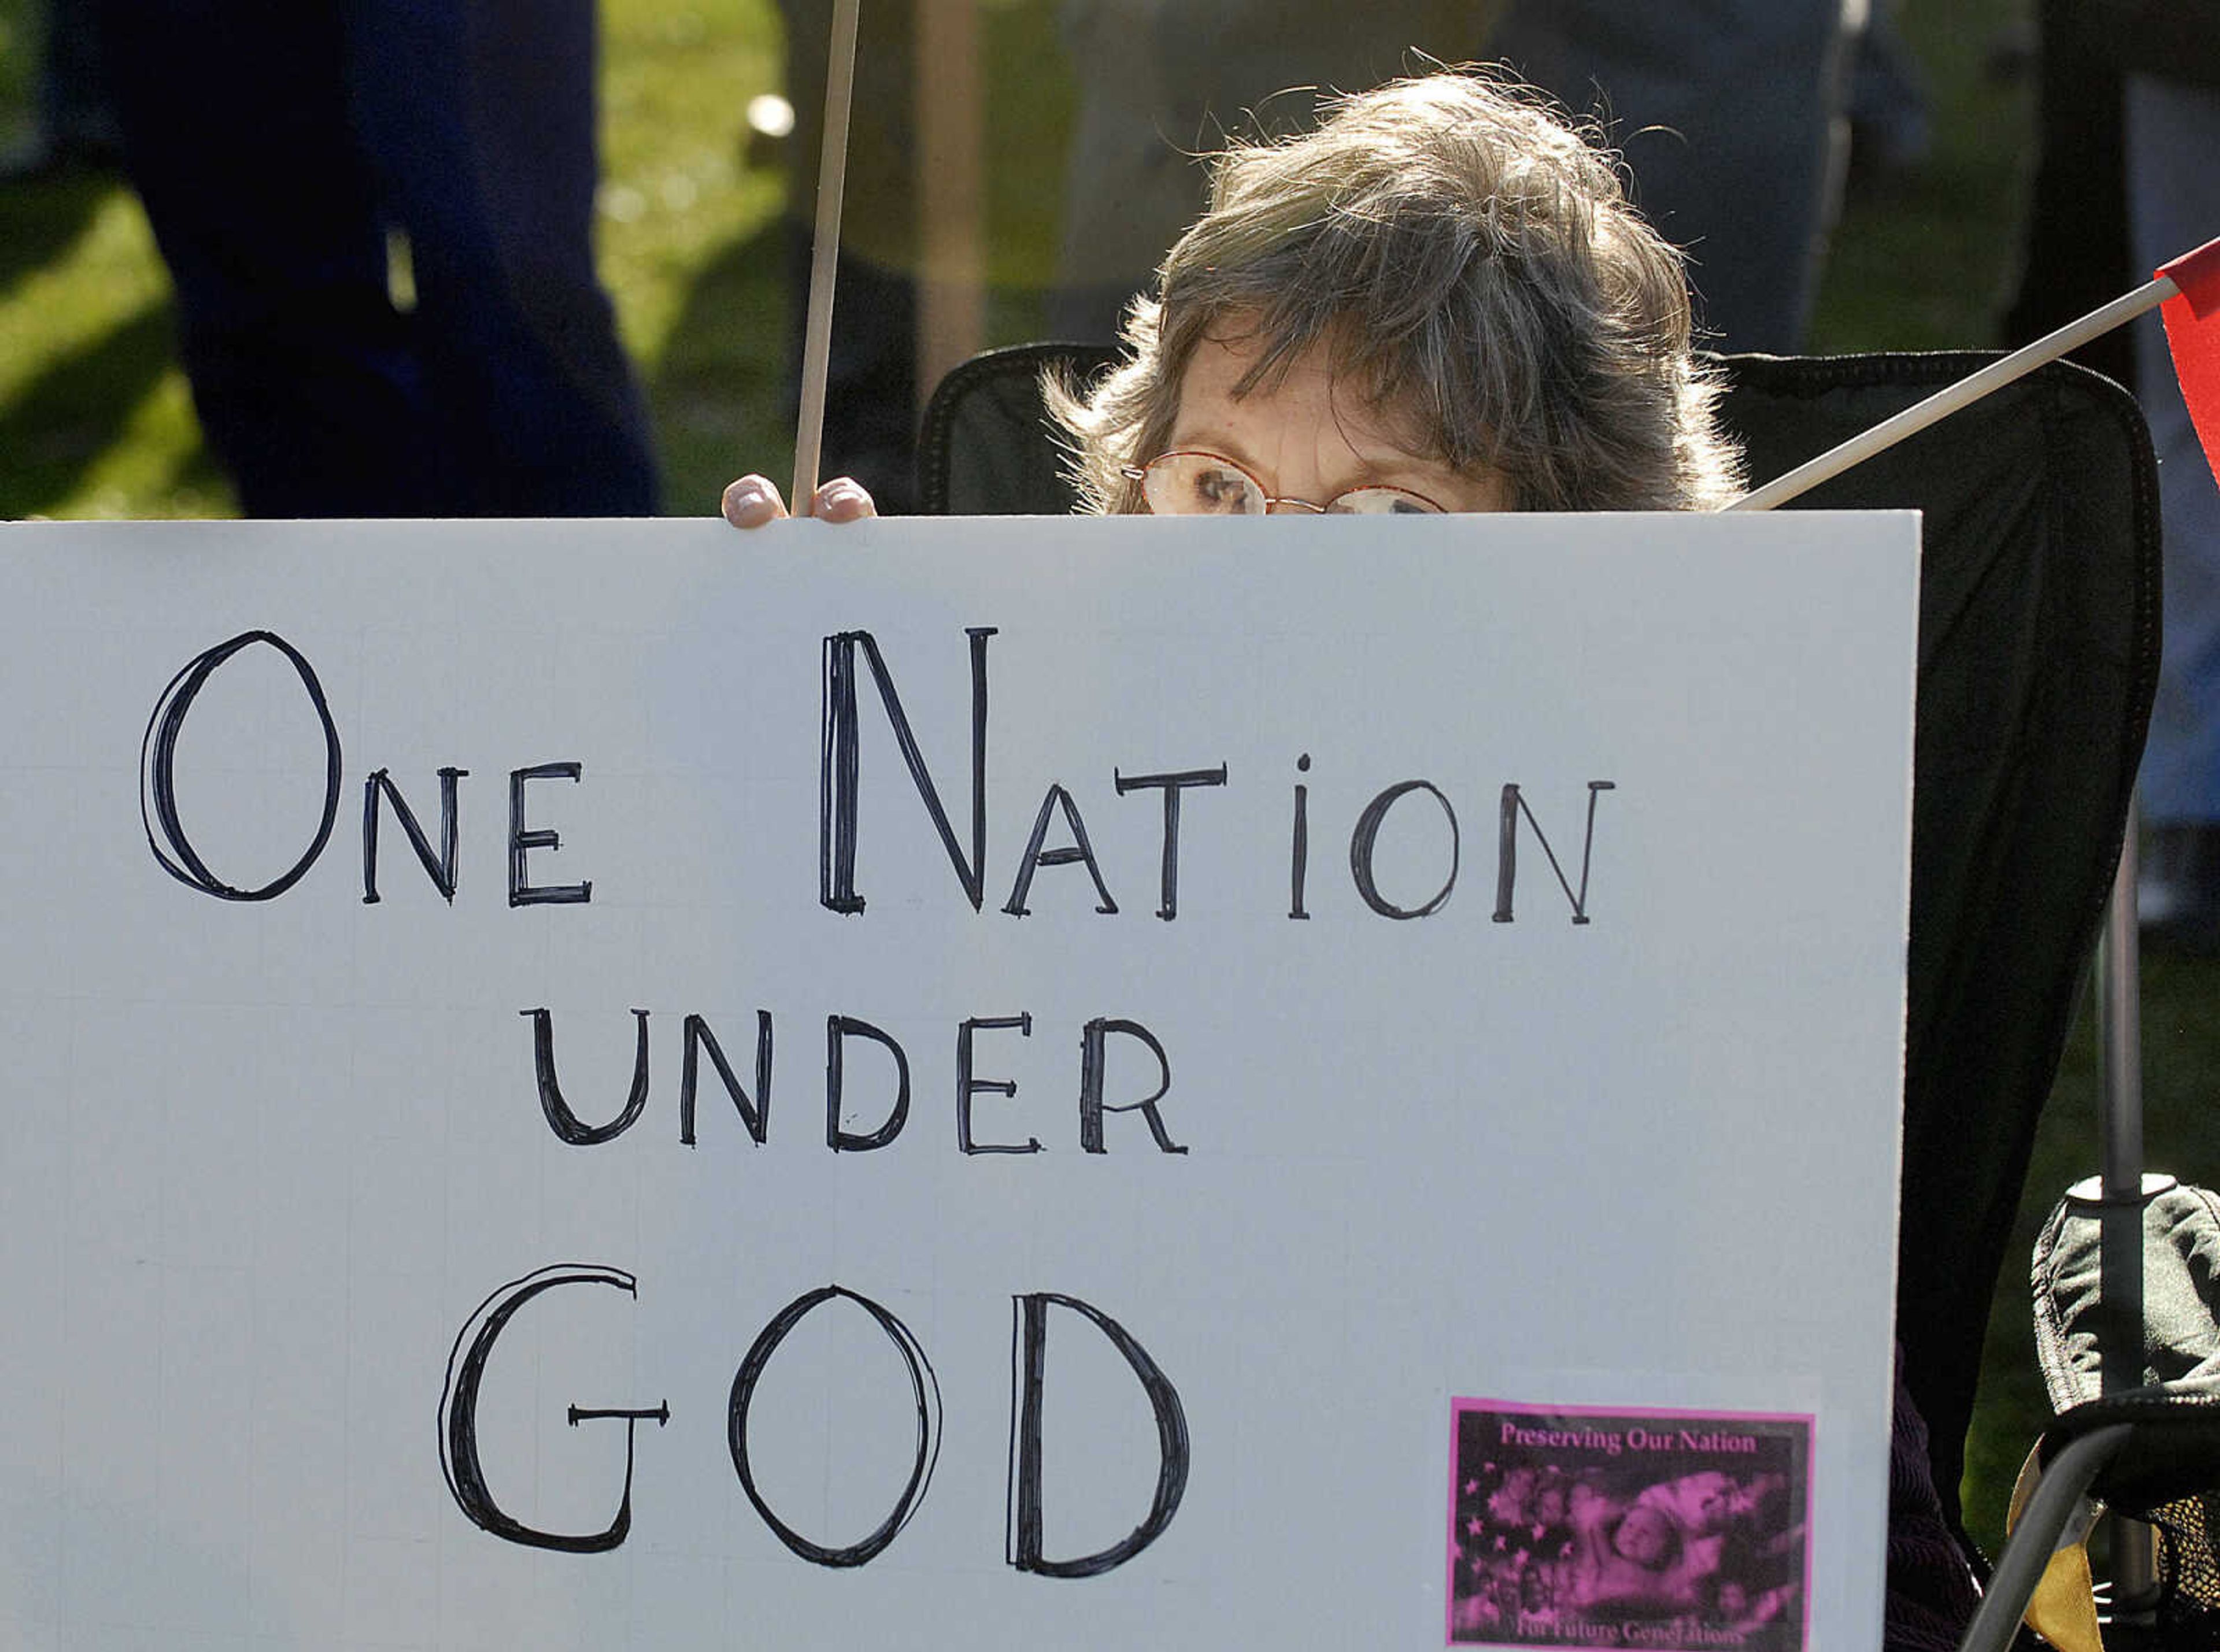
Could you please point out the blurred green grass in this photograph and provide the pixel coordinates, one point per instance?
(95, 422)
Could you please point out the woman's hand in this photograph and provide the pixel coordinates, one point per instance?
(754, 500)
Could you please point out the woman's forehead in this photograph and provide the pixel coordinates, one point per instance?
(1302, 397)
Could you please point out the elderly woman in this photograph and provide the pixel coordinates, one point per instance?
(1440, 299)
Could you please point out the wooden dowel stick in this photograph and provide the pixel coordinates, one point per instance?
(1965, 392)
(825, 254)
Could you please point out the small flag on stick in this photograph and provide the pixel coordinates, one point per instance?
(2189, 288)
(2193, 333)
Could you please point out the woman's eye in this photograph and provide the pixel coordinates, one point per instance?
(1221, 490)
(1381, 502)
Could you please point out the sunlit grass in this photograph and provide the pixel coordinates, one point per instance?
(95, 418)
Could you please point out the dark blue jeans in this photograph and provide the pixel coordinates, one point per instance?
(278, 144)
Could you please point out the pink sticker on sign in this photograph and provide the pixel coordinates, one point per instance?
(1675, 1530)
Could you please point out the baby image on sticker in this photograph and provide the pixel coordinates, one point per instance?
(1672, 1529)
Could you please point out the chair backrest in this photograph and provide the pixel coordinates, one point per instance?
(2038, 653)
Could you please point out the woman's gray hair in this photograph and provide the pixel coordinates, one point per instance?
(1474, 267)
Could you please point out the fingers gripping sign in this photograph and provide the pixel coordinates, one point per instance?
(755, 500)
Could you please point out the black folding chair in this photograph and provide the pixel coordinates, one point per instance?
(2038, 653)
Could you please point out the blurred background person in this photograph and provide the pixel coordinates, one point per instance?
(1730, 116)
(71, 122)
(1162, 82)
(2173, 131)
(2129, 122)
(378, 217)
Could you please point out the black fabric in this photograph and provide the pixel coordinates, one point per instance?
(2179, 40)
(1932, 1595)
(2168, 1458)
(986, 448)
(2160, 1312)
(2038, 650)
(2154, 1317)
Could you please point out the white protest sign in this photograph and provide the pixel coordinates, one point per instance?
(1374, 1124)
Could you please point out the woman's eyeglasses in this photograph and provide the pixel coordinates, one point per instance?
(1189, 483)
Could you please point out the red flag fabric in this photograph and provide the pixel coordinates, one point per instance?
(2193, 333)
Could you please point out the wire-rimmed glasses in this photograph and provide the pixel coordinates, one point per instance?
(1191, 482)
